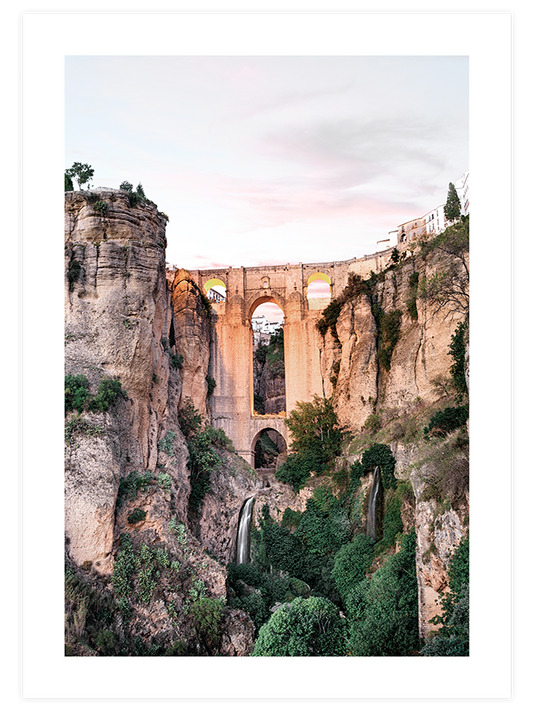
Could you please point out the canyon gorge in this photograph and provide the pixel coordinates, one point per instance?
(161, 438)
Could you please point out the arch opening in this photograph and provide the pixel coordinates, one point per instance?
(318, 290)
(269, 449)
(268, 360)
(215, 290)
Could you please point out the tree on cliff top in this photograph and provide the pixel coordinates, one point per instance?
(452, 209)
(81, 172)
(447, 290)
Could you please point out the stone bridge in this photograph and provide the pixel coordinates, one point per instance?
(232, 349)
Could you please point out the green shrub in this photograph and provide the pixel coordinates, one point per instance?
(166, 443)
(351, 563)
(315, 430)
(208, 614)
(109, 391)
(298, 467)
(123, 568)
(132, 484)
(73, 273)
(324, 526)
(380, 455)
(412, 296)
(211, 385)
(303, 628)
(445, 421)
(101, 207)
(452, 638)
(388, 325)
(458, 354)
(219, 438)
(176, 360)
(331, 313)
(189, 419)
(76, 392)
(275, 354)
(105, 642)
(384, 610)
(136, 515)
(373, 423)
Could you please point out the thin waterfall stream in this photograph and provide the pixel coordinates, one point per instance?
(243, 533)
(373, 500)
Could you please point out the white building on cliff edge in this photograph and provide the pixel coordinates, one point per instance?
(432, 223)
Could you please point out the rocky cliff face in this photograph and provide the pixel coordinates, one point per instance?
(193, 336)
(387, 400)
(123, 320)
(115, 315)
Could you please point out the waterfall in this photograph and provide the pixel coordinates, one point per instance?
(243, 532)
(371, 516)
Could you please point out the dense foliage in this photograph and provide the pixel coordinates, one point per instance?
(316, 440)
(377, 455)
(356, 286)
(452, 207)
(77, 394)
(320, 556)
(203, 457)
(452, 639)
(445, 421)
(384, 609)
(81, 173)
(458, 354)
(303, 628)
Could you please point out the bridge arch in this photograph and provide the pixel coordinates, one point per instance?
(255, 302)
(277, 435)
(318, 275)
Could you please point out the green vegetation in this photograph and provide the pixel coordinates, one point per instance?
(452, 208)
(458, 354)
(77, 394)
(447, 290)
(303, 628)
(211, 385)
(325, 553)
(130, 486)
(445, 421)
(384, 609)
(412, 296)
(69, 185)
(452, 638)
(136, 516)
(176, 360)
(378, 455)
(100, 206)
(388, 325)
(135, 197)
(208, 614)
(203, 457)
(351, 563)
(316, 440)
(275, 354)
(73, 273)
(356, 286)
(81, 173)
(166, 443)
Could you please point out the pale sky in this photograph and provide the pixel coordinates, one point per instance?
(272, 160)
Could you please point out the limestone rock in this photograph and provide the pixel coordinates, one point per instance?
(193, 335)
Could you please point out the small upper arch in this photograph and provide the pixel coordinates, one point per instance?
(318, 275)
(318, 287)
(215, 289)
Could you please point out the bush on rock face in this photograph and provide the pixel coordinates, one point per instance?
(303, 628)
